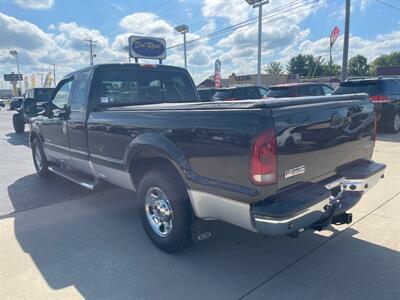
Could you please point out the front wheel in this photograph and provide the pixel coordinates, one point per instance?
(18, 124)
(165, 210)
(39, 159)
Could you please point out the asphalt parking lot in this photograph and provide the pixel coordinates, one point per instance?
(60, 241)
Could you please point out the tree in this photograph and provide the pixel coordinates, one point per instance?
(298, 65)
(358, 66)
(275, 68)
(306, 65)
(392, 59)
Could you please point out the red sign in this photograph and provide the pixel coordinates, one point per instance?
(334, 35)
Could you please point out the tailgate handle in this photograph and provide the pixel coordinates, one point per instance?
(337, 120)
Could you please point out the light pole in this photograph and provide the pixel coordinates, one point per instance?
(259, 4)
(183, 29)
(15, 54)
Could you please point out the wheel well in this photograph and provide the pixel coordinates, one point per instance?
(141, 165)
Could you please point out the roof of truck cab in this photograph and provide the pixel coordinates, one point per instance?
(133, 66)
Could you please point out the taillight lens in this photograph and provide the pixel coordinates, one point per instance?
(379, 99)
(230, 99)
(263, 159)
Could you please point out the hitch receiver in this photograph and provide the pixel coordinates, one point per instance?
(343, 218)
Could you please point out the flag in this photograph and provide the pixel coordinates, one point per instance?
(26, 82)
(217, 73)
(334, 35)
(33, 81)
(48, 80)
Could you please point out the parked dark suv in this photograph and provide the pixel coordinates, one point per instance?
(385, 95)
(240, 93)
(299, 89)
(206, 94)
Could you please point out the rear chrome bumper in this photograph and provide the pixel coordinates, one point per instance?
(350, 191)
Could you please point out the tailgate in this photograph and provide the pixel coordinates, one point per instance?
(316, 135)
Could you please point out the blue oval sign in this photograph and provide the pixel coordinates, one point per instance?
(146, 47)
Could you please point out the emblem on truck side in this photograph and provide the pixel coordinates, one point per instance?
(295, 171)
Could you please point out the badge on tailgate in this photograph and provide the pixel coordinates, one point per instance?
(295, 171)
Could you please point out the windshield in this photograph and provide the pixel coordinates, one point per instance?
(369, 87)
(135, 87)
(43, 95)
(278, 92)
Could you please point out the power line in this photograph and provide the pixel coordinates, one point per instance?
(246, 23)
(388, 5)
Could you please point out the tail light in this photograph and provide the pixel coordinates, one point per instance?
(230, 99)
(379, 99)
(263, 165)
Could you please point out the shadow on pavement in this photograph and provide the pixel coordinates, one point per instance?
(31, 191)
(97, 245)
(388, 137)
(17, 139)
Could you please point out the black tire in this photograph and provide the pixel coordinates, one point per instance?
(171, 185)
(394, 125)
(18, 123)
(42, 166)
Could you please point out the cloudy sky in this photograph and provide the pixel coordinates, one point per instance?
(45, 32)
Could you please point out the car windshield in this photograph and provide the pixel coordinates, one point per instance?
(43, 95)
(369, 87)
(278, 92)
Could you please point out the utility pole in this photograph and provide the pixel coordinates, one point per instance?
(54, 74)
(259, 4)
(346, 41)
(91, 42)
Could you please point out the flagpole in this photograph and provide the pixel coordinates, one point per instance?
(330, 64)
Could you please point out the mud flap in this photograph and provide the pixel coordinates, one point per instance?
(203, 230)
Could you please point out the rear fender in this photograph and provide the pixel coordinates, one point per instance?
(154, 145)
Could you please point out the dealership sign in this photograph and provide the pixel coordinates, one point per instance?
(147, 47)
(12, 77)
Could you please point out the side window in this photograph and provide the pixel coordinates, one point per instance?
(60, 100)
(327, 90)
(316, 90)
(303, 91)
(254, 93)
(241, 94)
(79, 95)
(263, 92)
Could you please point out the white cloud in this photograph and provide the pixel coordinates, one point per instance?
(21, 34)
(234, 10)
(35, 4)
(117, 6)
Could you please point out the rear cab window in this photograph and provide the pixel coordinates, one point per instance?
(122, 87)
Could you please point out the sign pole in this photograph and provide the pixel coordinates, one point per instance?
(19, 74)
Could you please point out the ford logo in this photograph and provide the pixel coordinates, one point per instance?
(148, 47)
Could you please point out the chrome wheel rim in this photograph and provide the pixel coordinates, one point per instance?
(38, 159)
(159, 211)
(396, 122)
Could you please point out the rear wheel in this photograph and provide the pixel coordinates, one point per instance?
(165, 210)
(18, 123)
(39, 159)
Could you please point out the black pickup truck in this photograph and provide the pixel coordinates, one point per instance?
(272, 166)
